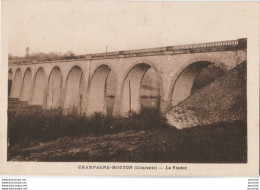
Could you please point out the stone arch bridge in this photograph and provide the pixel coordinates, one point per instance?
(81, 83)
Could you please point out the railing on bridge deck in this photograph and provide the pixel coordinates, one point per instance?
(240, 44)
(231, 43)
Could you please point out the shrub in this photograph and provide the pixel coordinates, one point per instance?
(41, 126)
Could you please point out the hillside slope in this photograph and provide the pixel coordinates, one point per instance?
(223, 100)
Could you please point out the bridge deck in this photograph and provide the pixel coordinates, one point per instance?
(230, 45)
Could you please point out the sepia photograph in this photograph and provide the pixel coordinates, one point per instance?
(130, 82)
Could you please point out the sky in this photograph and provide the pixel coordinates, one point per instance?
(88, 27)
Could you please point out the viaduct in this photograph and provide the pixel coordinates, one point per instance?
(81, 83)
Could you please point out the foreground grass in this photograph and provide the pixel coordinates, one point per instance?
(28, 127)
(144, 137)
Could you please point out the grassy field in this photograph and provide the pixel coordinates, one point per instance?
(36, 135)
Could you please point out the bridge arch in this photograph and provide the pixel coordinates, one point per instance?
(26, 85)
(54, 89)
(130, 89)
(16, 87)
(73, 90)
(101, 90)
(39, 84)
(192, 76)
(67, 71)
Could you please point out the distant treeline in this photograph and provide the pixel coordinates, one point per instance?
(39, 57)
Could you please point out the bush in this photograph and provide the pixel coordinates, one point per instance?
(42, 126)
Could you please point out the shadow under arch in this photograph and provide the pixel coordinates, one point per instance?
(16, 87)
(130, 90)
(101, 91)
(26, 85)
(10, 74)
(193, 77)
(73, 90)
(54, 89)
(10, 79)
(39, 84)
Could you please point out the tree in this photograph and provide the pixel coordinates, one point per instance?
(69, 54)
(10, 56)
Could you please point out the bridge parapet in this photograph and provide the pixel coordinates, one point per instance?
(230, 43)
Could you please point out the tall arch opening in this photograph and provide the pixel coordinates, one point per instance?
(54, 89)
(149, 91)
(102, 91)
(10, 78)
(74, 90)
(38, 87)
(194, 77)
(16, 87)
(27, 85)
(139, 93)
